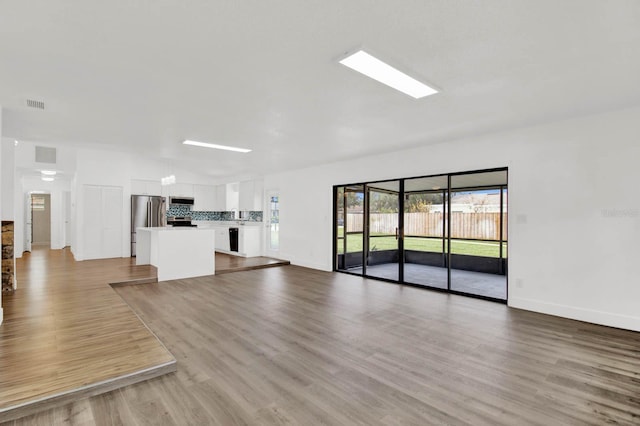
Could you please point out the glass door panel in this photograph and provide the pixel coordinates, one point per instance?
(477, 255)
(445, 232)
(383, 222)
(274, 223)
(350, 228)
(425, 230)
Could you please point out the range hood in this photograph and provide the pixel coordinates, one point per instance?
(181, 201)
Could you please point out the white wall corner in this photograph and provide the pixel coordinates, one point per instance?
(1, 315)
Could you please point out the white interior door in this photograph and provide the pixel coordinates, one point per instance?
(67, 218)
(92, 221)
(28, 223)
(102, 226)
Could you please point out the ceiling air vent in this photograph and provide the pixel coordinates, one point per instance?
(45, 155)
(35, 104)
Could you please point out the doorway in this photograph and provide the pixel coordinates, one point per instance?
(40, 219)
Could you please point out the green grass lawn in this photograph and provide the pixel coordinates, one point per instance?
(472, 248)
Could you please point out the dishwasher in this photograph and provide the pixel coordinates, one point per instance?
(233, 239)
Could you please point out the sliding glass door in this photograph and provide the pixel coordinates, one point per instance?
(383, 225)
(446, 232)
(350, 228)
(478, 247)
(425, 232)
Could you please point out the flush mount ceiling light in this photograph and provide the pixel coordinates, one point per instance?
(215, 146)
(374, 68)
(47, 178)
(48, 172)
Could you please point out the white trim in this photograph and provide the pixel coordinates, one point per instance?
(305, 264)
(89, 387)
(1, 315)
(580, 314)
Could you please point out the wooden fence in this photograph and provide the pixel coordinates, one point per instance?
(480, 226)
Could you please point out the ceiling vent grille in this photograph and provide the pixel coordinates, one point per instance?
(45, 155)
(35, 104)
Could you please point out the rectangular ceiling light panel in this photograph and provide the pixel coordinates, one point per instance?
(215, 146)
(374, 68)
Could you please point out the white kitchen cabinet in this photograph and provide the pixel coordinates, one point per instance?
(232, 197)
(145, 187)
(250, 195)
(222, 238)
(221, 198)
(258, 195)
(227, 197)
(178, 190)
(246, 195)
(249, 239)
(205, 198)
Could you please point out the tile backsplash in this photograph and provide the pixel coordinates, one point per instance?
(179, 210)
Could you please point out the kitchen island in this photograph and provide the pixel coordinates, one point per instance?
(180, 252)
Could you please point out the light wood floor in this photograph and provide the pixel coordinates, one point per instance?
(291, 345)
(66, 332)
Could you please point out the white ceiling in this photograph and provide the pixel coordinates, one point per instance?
(144, 75)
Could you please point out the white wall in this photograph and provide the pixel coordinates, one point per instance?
(114, 168)
(7, 174)
(1, 192)
(575, 260)
(8, 177)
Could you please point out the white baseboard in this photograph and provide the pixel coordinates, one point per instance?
(587, 315)
(310, 265)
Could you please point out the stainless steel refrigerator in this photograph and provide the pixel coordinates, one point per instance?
(147, 211)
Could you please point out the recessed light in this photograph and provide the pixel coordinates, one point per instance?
(168, 180)
(47, 178)
(216, 146)
(48, 172)
(374, 68)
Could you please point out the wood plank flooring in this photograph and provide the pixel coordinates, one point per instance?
(67, 334)
(291, 345)
(226, 263)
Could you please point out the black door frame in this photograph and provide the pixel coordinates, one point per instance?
(401, 231)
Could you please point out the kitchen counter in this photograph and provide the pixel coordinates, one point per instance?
(249, 236)
(177, 252)
(214, 223)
